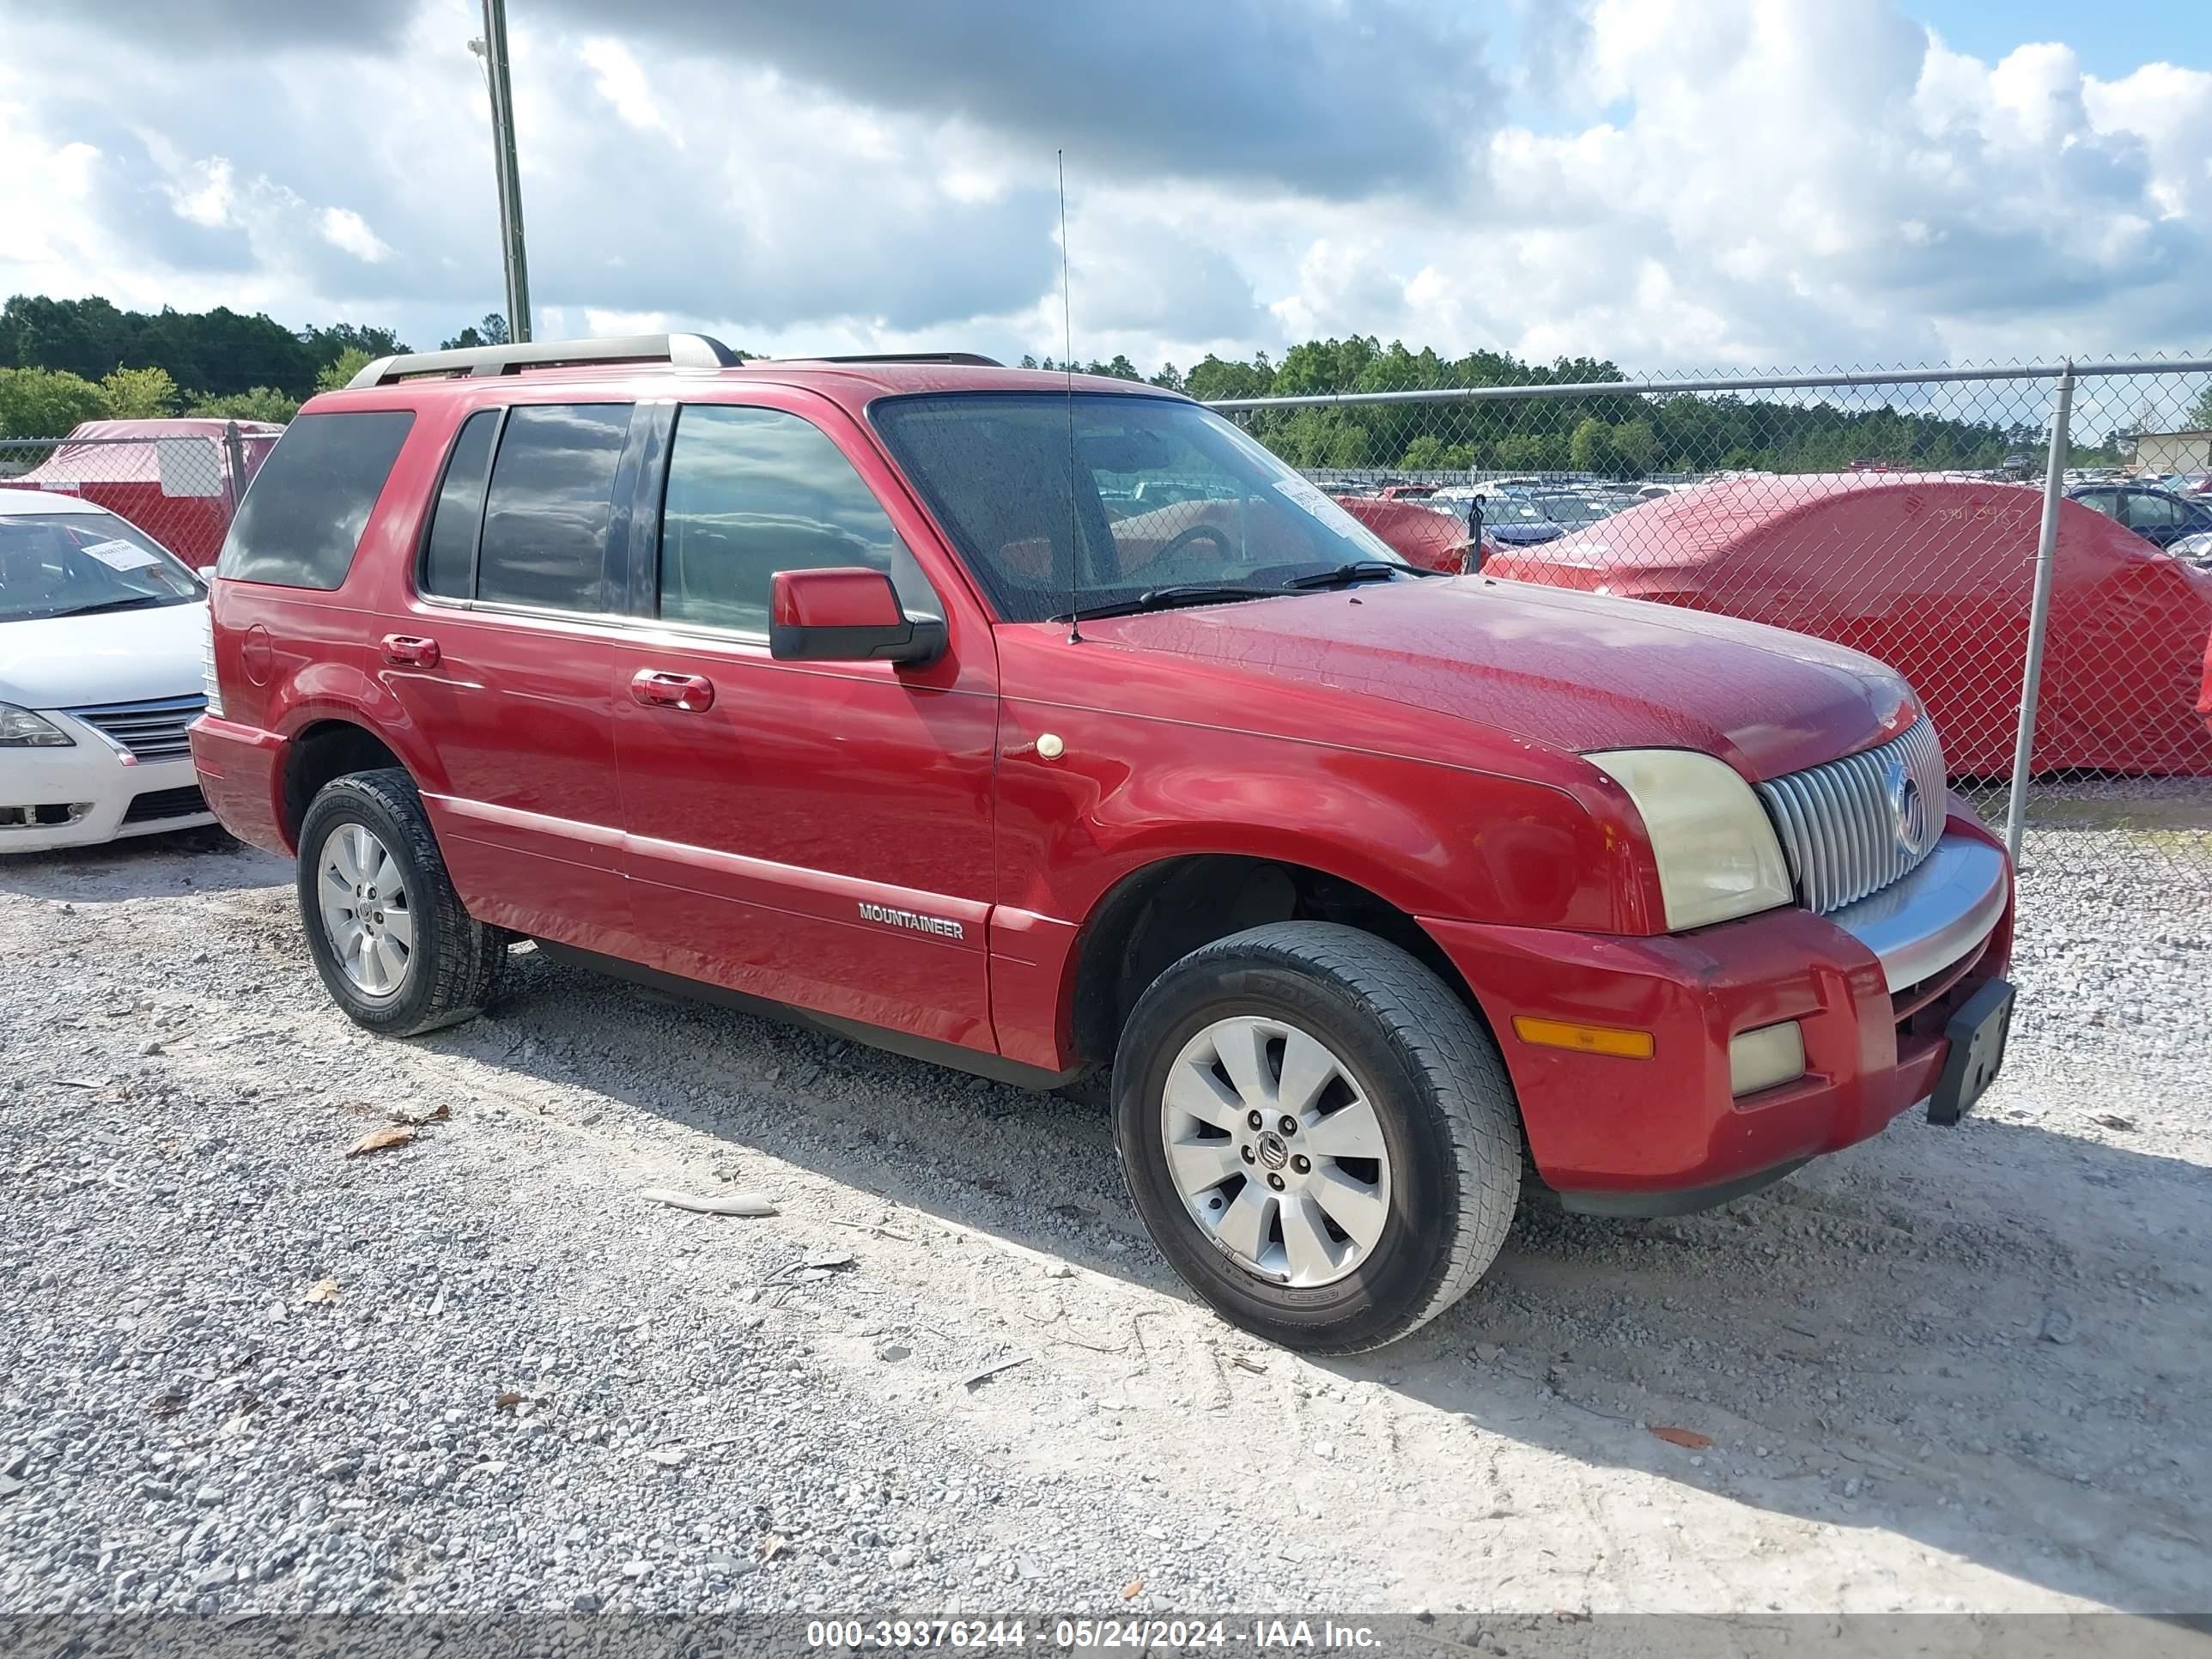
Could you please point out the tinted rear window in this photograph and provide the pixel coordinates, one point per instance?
(449, 561)
(551, 498)
(303, 517)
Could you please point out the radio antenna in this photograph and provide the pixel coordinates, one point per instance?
(1067, 350)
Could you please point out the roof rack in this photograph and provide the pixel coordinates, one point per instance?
(683, 351)
(968, 357)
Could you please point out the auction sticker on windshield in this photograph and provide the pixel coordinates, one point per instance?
(122, 555)
(1333, 516)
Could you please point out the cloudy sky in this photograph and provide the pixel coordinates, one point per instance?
(1673, 184)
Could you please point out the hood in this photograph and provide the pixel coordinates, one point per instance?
(120, 656)
(1576, 672)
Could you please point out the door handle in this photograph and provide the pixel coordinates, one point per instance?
(658, 688)
(410, 651)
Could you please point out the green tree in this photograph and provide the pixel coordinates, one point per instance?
(341, 369)
(1634, 447)
(139, 394)
(1590, 448)
(491, 331)
(261, 403)
(45, 403)
(2200, 415)
(1424, 454)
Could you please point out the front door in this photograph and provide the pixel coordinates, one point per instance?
(818, 834)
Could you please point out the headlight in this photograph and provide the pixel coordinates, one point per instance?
(1716, 852)
(20, 729)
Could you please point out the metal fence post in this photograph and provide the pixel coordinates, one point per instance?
(235, 454)
(2038, 615)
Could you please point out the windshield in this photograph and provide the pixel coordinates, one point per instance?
(63, 564)
(1157, 494)
(1512, 509)
(1569, 509)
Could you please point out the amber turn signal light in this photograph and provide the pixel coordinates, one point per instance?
(1584, 1039)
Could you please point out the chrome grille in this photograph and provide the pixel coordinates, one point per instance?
(154, 730)
(1851, 827)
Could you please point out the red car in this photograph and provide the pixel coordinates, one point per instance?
(1422, 535)
(177, 480)
(838, 688)
(1934, 575)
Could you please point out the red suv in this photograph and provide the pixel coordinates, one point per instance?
(1036, 724)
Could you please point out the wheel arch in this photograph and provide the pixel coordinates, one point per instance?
(327, 747)
(1159, 913)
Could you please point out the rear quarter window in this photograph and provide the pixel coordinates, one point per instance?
(304, 515)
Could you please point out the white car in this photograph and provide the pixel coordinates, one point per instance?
(101, 634)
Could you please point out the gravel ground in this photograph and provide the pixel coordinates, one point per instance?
(1949, 1369)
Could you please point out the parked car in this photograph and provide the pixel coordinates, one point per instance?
(1432, 535)
(832, 687)
(1934, 575)
(1519, 521)
(2159, 516)
(177, 480)
(2195, 550)
(101, 634)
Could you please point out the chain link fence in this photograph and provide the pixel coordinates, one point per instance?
(1961, 524)
(179, 480)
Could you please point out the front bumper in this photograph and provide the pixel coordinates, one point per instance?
(1871, 988)
(90, 793)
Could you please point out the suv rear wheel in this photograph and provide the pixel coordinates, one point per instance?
(1318, 1134)
(390, 936)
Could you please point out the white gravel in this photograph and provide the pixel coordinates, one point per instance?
(1949, 1370)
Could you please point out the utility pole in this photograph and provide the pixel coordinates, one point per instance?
(510, 183)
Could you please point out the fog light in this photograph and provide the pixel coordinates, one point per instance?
(1761, 1059)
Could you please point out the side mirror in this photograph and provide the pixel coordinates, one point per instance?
(847, 614)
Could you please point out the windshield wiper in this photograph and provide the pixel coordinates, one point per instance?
(131, 603)
(1170, 598)
(1359, 570)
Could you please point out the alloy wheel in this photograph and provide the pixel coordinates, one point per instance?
(366, 914)
(1276, 1151)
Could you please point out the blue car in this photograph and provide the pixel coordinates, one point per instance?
(2158, 516)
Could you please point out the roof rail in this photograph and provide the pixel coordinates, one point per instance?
(683, 351)
(968, 357)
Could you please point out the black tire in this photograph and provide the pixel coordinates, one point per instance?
(454, 966)
(1440, 1093)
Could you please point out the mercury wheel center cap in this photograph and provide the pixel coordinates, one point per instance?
(1271, 1150)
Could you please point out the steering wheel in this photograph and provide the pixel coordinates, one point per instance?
(1196, 533)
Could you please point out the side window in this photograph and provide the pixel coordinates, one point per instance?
(753, 491)
(302, 520)
(449, 557)
(547, 508)
(2150, 512)
(2101, 500)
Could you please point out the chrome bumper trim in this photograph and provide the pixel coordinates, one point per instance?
(1919, 926)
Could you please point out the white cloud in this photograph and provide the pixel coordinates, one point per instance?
(347, 231)
(203, 195)
(624, 85)
(1677, 184)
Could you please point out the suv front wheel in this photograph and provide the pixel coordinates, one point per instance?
(392, 939)
(1319, 1135)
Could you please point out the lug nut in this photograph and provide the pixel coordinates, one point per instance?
(1276, 1182)
(1302, 1163)
(1289, 1125)
(1250, 1155)
(1254, 1120)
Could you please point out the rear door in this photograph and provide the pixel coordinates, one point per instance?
(504, 661)
(818, 832)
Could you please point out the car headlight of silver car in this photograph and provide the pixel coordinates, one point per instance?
(1717, 855)
(20, 729)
